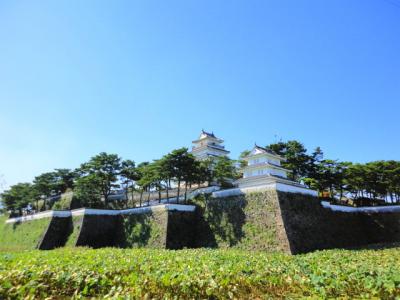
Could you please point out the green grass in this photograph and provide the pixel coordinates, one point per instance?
(199, 274)
(76, 228)
(22, 236)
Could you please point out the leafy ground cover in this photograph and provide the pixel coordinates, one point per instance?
(201, 273)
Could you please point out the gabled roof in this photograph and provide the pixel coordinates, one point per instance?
(205, 135)
(208, 134)
(264, 150)
(260, 150)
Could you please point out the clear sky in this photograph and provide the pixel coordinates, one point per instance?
(140, 78)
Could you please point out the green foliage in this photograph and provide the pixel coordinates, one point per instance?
(242, 161)
(183, 164)
(129, 175)
(65, 201)
(179, 166)
(373, 180)
(199, 274)
(88, 192)
(102, 170)
(297, 159)
(224, 171)
(21, 236)
(18, 197)
(54, 182)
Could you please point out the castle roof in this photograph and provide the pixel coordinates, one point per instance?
(265, 150)
(208, 133)
(257, 150)
(204, 135)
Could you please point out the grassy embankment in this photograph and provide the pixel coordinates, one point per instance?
(21, 236)
(216, 274)
(76, 227)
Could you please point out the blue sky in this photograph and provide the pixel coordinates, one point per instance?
(140, 78)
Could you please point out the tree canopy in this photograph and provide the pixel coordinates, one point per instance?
(95, 180)
(372, 180)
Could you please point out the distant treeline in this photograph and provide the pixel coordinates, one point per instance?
(94, 181)
(373, 180)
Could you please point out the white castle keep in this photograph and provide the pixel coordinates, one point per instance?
(263, 166)
(208, 145)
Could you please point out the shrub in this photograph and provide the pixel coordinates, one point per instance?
(199, 274)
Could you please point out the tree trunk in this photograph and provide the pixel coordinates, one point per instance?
(148, 198)
(141, 197)
(186, 186)
(159, 187)
(105, 201)
(133, 195)
(179, 189)
(127, 197)
(168, 183)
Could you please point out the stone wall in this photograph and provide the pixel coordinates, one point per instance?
(250, 222)
(56, 234)
(158, 229)
(262, 221)
(311, 227)
(289, 222)
(148, 229)
(99, 231)
(181, 230)
(381, 228)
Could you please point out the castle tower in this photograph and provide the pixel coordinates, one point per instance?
(262, 161)
(208, 145)
(263, 168)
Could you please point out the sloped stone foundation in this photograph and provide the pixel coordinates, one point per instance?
(289, 222)
(262, 221)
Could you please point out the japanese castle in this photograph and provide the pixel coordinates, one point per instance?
(208, 145)
(263, 168)
(262, 165)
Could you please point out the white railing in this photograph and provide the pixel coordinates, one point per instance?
(41, 215)
(366, 209)
(106, 212)
(264, 187)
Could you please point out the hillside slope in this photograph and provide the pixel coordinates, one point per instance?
(22, 236)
